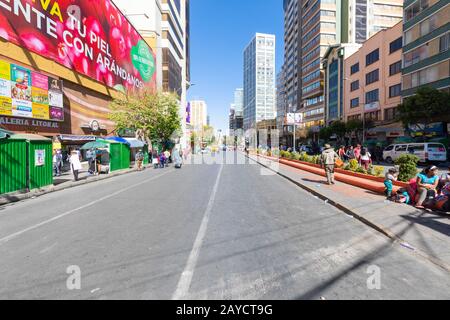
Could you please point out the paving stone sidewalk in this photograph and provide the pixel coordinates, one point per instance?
(424, 233)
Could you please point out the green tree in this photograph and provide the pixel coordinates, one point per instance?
(339, 129)
(154, 114)
(356, 128)
(428, 105)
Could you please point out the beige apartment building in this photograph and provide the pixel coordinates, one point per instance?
(373, 83)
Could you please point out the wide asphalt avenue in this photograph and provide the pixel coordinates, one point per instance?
(207, 231)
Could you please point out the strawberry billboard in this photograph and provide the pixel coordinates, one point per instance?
(91, 37)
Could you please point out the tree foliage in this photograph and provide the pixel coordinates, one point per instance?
(341, 129)
(428, 105)
(155, 114)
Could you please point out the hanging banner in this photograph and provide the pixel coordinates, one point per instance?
(91, 37)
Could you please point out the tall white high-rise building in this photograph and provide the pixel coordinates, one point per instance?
(239, 102)
(259, 80)
(199, 114)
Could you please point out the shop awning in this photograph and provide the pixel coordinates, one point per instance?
(117, 139)
(67, 137)
(388, 127)
(135, 143)
(29, 137)
(4, 134)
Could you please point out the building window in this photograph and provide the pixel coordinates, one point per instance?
(415, 9)
(395, 68)
(354, 103)
(396, 45)
(373, 76)
(444, 42)
(395, 91)
(354, 85)
(373, 57)
(390, 114)
(354, 68)
(372, 96)
(375, 115)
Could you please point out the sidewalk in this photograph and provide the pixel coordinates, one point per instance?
(65, 181)
(424, 233)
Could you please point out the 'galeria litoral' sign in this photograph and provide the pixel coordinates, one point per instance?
(89, 36)
(28, 94)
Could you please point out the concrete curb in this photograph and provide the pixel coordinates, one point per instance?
(381, 229)
(16, 197)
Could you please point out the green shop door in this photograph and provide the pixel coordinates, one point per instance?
(13, 165)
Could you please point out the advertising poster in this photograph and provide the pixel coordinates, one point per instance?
(22, 108)
(5, 106)
(55, 93)
(5, 88)
(5, 70)
(39, 158)
(24, 93)
(40, 81)
(39, 95)
(90, 37)
(5, 80)
(20, 83)
(56, 113)
(41, 111)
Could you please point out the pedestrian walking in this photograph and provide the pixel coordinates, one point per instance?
(341, 152)
(139, 159)
(162, 160)
(357, 153)
(365, 158)
(75, 164)
(328, 161)
(167, 155)
(350, 154)
(90, 156)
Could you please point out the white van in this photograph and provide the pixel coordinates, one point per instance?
(426, 152)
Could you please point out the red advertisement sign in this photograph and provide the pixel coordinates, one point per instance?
(89, 36)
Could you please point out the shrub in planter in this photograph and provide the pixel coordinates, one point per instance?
(378, 171)
(408, 167)
(353, 165)
(361, 170)
(296, 156)
(316, 159)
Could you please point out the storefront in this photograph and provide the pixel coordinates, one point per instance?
(386, 134)
(57, 79)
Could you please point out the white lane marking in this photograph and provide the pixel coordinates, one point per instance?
(16, 234)
(186, 277)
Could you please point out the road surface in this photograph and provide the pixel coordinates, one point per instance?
(208, 231)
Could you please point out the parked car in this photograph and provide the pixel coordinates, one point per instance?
(426, 152)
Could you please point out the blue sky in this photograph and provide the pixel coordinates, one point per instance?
(220, 30)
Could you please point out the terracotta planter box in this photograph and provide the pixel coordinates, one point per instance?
(375, 184)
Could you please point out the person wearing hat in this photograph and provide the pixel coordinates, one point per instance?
(328, 160)
(139, 159)
(427, 183)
